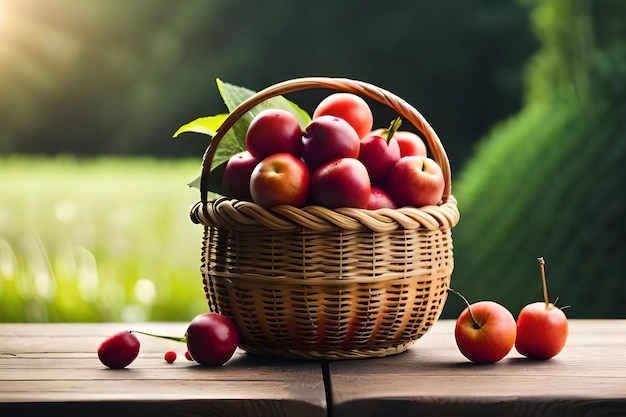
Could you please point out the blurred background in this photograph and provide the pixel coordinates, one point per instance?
(528, 97)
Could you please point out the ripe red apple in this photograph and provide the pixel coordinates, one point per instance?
(327, 138)
(411, 144)
(485, 332)
(273, 131)
(341, 183)
(236, 178)
(542, 328)
(415, 181)
(280, 178)
(380, 199)
(349, 107)
(379, 156)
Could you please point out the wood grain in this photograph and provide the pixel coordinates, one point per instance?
(54, 368)
(587, 379)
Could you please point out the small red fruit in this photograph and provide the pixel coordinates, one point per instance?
(542, 328)
(119, 350)
(170, 356)
(188, 356)
(212, 339)
(349, 107)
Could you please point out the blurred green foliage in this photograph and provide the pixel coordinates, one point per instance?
(549, 181)
(102, 77)
(102, 239)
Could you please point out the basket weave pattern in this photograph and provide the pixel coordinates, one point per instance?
(326, 283)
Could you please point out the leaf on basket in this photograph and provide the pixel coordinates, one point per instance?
(215, 180)
(234, 140)
(205, 125)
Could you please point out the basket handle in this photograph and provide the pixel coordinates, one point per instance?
(404, 109)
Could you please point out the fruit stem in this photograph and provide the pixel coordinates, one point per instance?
(393, 128)
(175, 338)
(469, 308)
(542, 267)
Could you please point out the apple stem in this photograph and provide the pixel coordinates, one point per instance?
(175, 338)
(469, 308)
(542, 267)
(393, 128)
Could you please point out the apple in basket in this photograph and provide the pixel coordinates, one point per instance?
(415, 181)
(349, 107)
(411, 144)
(273, 131)
(236, 178)
(378, 155)
(380, 199)
(280, 178)
(327, 138)
(341, 183)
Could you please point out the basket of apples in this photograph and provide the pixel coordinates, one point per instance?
(332, 240)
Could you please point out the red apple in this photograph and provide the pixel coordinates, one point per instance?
(415, 181)
(380, 199)
(327, 138)
(349, 107)
(341, 183)
(280, 178)
(542, 328)
(411, 144)
(485, 332)
(273, 131)
(379, 156)
(236, 179)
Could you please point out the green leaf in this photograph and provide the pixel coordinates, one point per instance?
(234, 95)
(215, 180)
(205, 125)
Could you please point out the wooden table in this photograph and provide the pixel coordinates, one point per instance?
(53, 369)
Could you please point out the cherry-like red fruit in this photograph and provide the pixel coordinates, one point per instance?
(119, 350)
(212, 339)
(170, 356)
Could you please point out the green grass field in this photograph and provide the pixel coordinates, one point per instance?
(98, 240)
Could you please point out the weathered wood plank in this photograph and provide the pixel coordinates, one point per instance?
(54, 369)
(432, 378)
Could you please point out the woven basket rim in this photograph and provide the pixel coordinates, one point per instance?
(232, 214)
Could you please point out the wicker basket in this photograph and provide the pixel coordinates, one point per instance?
(324, 283)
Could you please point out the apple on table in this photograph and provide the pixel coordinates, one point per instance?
(542, 328)
(485, 331)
